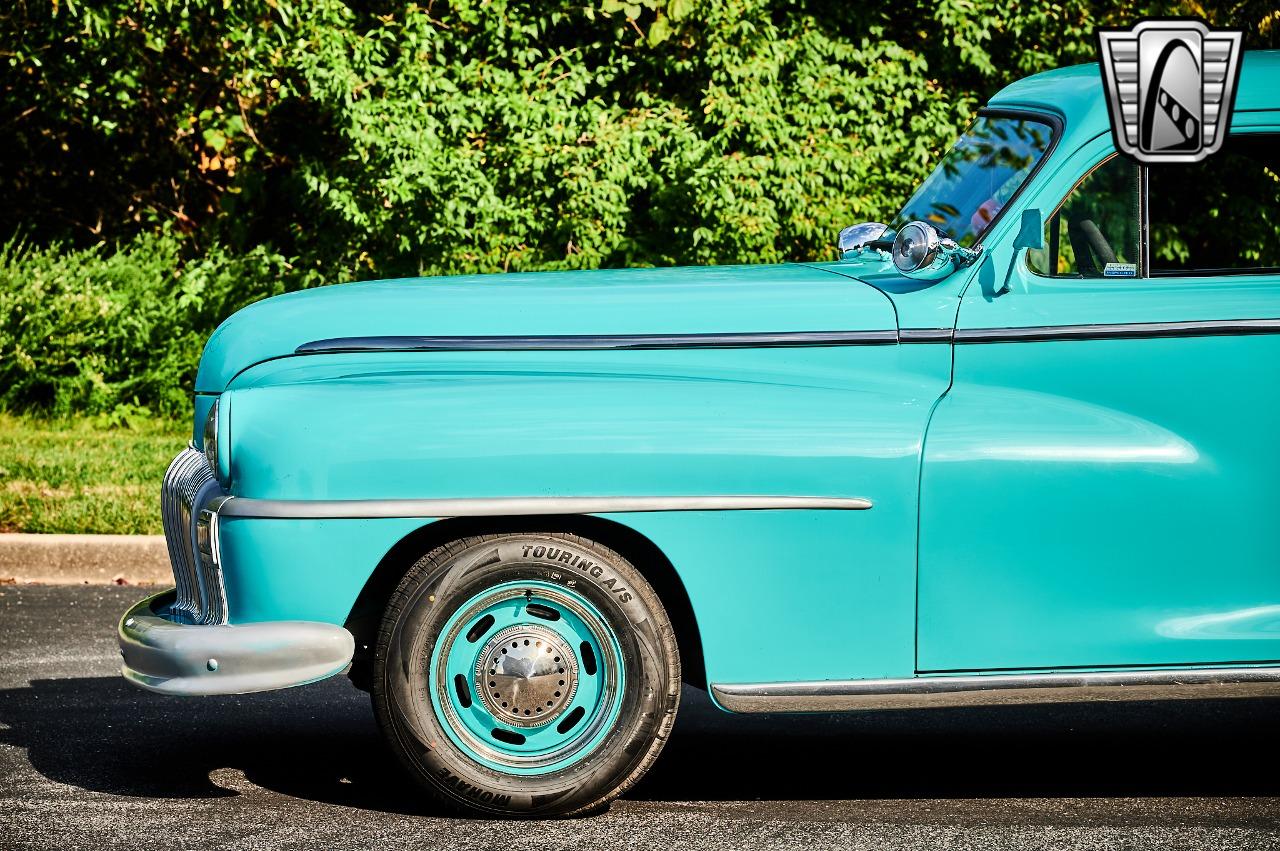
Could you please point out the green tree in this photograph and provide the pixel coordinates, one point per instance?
(264, 145)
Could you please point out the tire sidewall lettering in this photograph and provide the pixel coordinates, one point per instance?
(456, 578)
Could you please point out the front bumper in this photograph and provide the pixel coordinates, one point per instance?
(190, 659)
(180, 642)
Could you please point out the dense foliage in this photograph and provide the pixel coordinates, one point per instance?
(169, 160)
(93, 330)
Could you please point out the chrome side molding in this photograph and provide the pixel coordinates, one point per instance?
(998, 690)
(789, 339)
(486, 507)
(596, 342)
(1123, 331)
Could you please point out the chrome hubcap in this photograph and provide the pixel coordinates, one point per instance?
(526, 675)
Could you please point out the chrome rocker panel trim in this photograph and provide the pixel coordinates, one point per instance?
(997, 690)
(164, 656)
(485, 507)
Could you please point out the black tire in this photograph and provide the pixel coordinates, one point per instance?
(433, 591)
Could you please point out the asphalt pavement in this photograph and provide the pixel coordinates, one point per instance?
(88, 761)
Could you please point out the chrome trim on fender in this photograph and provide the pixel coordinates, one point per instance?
(483, 507)
(925, 335)
(764, 340)
(582, 342)
(997, 689)
(1126, 331)
(164, 656)
(189, 500)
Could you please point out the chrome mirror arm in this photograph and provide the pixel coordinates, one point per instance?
(962, 257)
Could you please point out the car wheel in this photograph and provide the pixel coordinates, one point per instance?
(529, 674)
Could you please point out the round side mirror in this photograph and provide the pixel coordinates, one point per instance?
(857, 236)
(921, 252)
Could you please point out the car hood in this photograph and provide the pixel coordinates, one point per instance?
(693, 300)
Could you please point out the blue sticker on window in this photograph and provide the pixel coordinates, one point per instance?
(1120, 270)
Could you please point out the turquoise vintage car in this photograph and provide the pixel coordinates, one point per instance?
(1020, 444)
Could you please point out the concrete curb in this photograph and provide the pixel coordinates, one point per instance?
(85, 559)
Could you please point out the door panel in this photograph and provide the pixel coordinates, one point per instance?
(1097, 502)
(1109, 502)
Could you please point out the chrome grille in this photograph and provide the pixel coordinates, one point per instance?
(189, 498)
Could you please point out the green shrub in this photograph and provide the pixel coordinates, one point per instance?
(163, 157)
(483, 135)
(94, 331)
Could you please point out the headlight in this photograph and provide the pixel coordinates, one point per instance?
(211, 438)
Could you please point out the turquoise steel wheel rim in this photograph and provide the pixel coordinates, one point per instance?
(527, 677)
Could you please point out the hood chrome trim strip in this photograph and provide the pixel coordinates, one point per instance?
(486, 507)
(580, 342)
(783, 339)
(997, 689)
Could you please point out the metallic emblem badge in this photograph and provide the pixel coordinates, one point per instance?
(1170, 88)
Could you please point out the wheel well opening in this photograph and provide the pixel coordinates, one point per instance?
(366, 613)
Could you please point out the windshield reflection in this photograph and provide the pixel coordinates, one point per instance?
(978, 176)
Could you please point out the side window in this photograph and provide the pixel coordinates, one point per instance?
(1219, 215)
(1095, 233)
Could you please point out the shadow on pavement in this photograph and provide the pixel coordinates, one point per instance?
(1101, 750)
(320, 743)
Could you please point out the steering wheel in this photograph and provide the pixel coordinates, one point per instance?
(1092, 250)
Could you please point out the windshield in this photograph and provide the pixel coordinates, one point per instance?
(978, 176)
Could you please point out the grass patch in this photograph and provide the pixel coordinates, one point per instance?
(84, 476)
